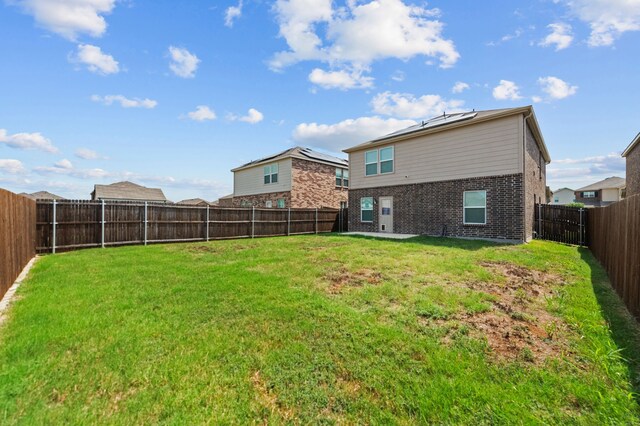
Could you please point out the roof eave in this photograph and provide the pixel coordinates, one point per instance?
(632, 145)
(455, 125)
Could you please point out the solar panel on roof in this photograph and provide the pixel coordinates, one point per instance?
(323, 157)
(434, 122)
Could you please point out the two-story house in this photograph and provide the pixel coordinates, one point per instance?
(602, 193)
(563, 196)
(632, 155)
(477, 174)
(298, 178)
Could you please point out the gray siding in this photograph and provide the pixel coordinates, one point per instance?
(251, 181)
(492, 148)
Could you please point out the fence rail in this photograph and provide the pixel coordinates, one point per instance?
(562, 224)
(17, 236)
(73, 224)
(614, 234)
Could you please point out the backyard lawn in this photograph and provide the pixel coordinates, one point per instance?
(320, 329)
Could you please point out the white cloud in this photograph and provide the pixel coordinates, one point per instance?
(69, 18)
(64, 164)
(13, 167)
(405, 105)
(202, 113)
(88, 154)
(397, 76)
(359, 33)
(183, 63)
(65, 167)
(536, 99)
(232, 13)
(578, 172)
(125, 102)
(338, 136)
(556, 88)
(560, 36)
(95, 60)
(506, 90)
(253, 116)
(608, 19)
(340, 79)
(459, 87)
(30, 141)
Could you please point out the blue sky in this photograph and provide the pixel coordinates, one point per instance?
(174, 94)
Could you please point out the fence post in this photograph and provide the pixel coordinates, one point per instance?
(581, 229)
(145, 223)
(539, 220)
(316, 220)
(289, 222)
(102, 227)
(207, 225)
(253, 220)
(53, 237)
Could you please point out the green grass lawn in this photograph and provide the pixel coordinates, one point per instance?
(320, 329)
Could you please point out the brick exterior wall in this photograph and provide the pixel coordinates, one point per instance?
(257, 200)
(535, 184)
(425, 208)
(314, 185)
(594, 202)
(633, 171)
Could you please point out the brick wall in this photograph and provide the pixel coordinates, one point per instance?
(257, 200)
(535, 181)
(633, 171)
(426, 208)
(314, 185)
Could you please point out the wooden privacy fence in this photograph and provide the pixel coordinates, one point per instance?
(17, 236)
(562, 224)
(614, 235)
(73, 224)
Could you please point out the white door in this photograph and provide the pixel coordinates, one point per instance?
(386, 214)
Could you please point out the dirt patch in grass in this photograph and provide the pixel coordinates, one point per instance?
(518, 327)
(219, 248)
(268, 399)
(341, 278)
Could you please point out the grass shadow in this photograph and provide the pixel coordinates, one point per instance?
(624, 328)
(458, 243)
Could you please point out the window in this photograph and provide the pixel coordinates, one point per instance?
(245, 203)
(281, 203)
(386, 160)
(589, 194)
(271, 173)
(342, 177)
(268, 204)
(379, 161)
(366, 209)
(371, 163)
(556, 200)
(475, 207)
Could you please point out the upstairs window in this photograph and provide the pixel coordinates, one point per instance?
(379, 161)
(271, 173)
(589, 194)
(342, 177)
(475, 207)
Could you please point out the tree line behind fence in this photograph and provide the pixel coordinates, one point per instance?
(72, 224)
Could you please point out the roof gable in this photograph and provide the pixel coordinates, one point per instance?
(614, 182)
(297, 152)
(634, 143)
(127, 191)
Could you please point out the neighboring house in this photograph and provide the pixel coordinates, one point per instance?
(298, 178)
(195, 202)
(602, 193)
(632, 154)
(127, 191)
(42, 195)
(563, 196)
(476, 174)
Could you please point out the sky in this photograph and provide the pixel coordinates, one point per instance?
(176, 93)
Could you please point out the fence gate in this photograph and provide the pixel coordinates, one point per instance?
(562, 224)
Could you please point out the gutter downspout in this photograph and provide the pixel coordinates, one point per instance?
(524, 177)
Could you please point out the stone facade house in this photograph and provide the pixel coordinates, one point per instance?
(297, 178)
(602, 193)
(632, 154)
(477, 174)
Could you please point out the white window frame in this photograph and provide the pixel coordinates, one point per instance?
(379, 162)
(270, 174)
(584, 194)
(372, 210)
(283, 203)
(342, 174)
(464, 208)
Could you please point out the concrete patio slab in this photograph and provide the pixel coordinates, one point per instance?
(383, 235)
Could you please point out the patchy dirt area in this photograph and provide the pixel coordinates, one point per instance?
(267, 399)
(518, 326)
(219, 248)
(342, 278)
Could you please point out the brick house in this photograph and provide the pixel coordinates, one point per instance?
(476, 174)
(632, 154)
(298, 178)
(602, 193)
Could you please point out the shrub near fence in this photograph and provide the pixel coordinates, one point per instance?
(73, 224)
(614, 234)
(17, 236)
